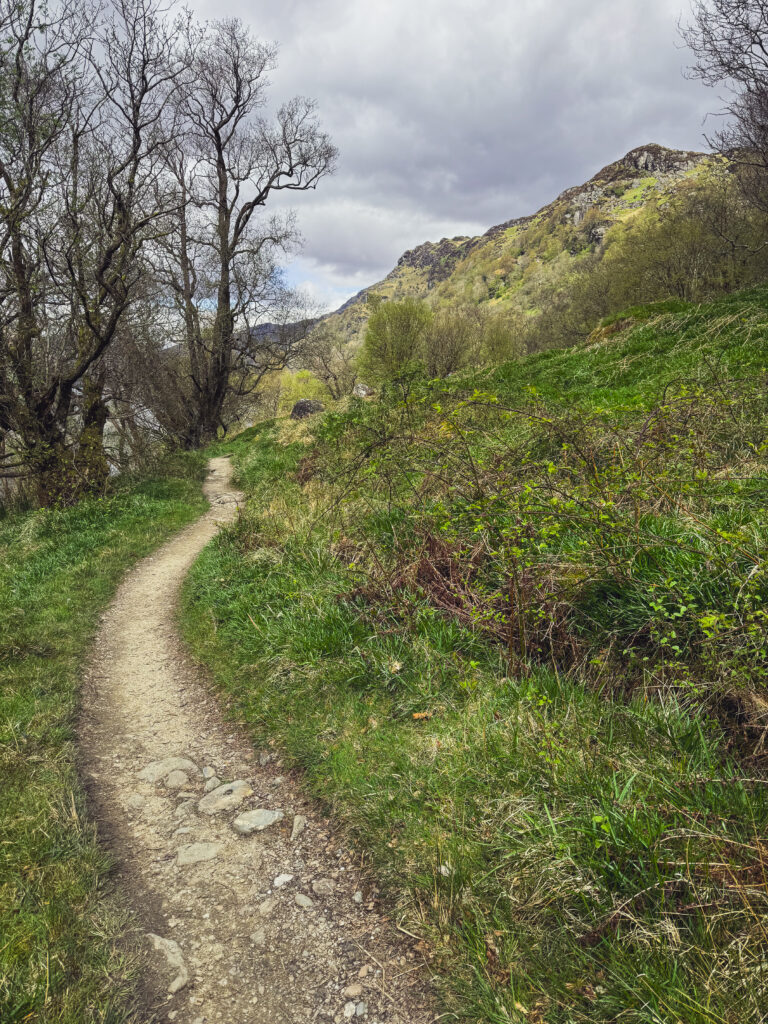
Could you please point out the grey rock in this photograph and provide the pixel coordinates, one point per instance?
(259, 937)
(266, 908)
(304, 902)
(212, 783)
(194, 853)
(176, 779)
(323, 887)
(306, 407)
(349, 1010)
(361, 1009)
(172, 953)
(256, 821)
(299, 824)
(185, 809)
(208, 772)
(264, 759)
(136, 801)
(358, 897)
(282, 880)
(225, 798)
(159, 769)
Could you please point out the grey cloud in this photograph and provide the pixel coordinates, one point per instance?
(453, 115)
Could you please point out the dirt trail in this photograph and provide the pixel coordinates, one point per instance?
(251, 909)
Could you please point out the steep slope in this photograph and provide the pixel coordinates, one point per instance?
(513, 262)
(514, 633)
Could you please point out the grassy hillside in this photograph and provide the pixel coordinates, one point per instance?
(520, 264)
(512, 627)
(59, 956)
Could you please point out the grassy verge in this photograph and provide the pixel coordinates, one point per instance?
(544, 780)
(58, 569)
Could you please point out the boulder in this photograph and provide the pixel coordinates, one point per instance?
(306, 407)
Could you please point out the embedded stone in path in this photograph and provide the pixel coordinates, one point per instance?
(175, 960)
(225, 798)
(304, 902)
(299, 824)
(323, 887)
(256, 821)
(193, 853)
(159, 769)
(176, 780)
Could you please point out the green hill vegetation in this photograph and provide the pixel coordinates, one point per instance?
(651, 224)
(511, 625)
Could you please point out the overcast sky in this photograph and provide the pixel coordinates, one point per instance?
(454, 115)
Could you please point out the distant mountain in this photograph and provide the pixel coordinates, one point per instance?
(513, 262)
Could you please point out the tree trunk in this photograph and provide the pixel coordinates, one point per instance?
(91, 464)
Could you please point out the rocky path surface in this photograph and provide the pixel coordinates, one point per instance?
(252, 910)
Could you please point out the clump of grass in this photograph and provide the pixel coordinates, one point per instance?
(438, 645)
(59, 957)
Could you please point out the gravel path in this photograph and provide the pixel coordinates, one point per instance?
(251, 909)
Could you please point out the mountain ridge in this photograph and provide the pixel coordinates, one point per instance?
(427, 270)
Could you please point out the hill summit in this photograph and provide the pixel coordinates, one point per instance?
(504, 263)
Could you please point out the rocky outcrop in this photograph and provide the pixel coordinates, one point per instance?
(436, 258)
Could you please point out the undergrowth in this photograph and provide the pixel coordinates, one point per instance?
(512, 628)
(60, 959)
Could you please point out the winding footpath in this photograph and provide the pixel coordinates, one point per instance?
(251, 908)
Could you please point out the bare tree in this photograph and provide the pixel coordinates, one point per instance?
(729, 40)
(130, 139)
(330, 355)
(116, 201)
(235, 160)
(92, 90)
(39, 63)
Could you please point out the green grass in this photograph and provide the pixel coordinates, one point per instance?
(573, 830)
(60, 958)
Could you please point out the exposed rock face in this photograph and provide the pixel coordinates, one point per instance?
(306, 407)
(438, 259)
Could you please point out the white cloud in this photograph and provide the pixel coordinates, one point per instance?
(453, 115)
